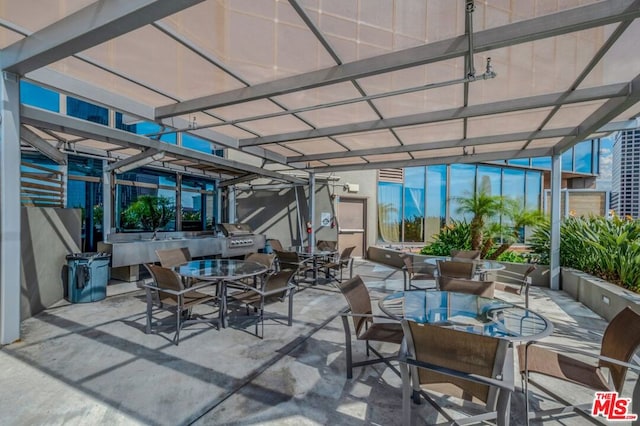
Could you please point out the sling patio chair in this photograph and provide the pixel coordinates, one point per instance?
(463, 285)
(327, 245)
(455, 269)
(276, 245)
(170, 258)
(474, 368)
(465, 254)
(337, 265)
(519, 289)
(275, 287)
(417, 271)
(292, 260)
(364, 326)
(620, 342)
(176, 298)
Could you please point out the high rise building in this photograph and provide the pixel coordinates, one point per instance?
(625, 187)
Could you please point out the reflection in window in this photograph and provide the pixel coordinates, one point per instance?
(462, 185)
(145, 201)
(144, 128)
(519, 162)
(567, 160)
(541, 162)
(86, 111)
(436, 199)
(489, 180)
(197, 204)
(31, 94)
(414, 204)
(389, 211)
(583, 157)
(514, 184)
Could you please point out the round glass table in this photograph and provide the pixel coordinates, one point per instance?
(467, 312)
(219, 271)
(482, 264)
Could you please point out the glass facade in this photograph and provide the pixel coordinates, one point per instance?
(425, 189)
(414, 206)
(86, 111)
(436, 196)
(389, 211)
(31, 94)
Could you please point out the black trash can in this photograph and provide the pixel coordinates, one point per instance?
(88, 276)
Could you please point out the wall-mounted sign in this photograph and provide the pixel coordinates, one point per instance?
(325, 219)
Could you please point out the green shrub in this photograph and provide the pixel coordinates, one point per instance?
(607, 248)
(454, 236)
(512, 256)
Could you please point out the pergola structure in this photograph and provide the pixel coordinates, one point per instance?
(312, 85)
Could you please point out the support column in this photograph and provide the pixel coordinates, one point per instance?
(107, 201)
(231, 204)
(10, 255)
(556, 181)
(312, 209)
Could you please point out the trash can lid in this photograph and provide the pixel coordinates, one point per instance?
(87, 255)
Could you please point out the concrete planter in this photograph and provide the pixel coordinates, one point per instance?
(600, 296)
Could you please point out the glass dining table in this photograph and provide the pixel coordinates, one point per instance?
(219, 272)
(467, 312)
(317, 257)
(483, 266)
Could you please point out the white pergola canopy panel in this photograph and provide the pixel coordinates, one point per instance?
(323, 85)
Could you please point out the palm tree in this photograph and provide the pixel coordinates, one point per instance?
(519, 217)
(482, 206)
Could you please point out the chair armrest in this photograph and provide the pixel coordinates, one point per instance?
(175, 292)
(565, 348)
(350, 314)
(456, 373)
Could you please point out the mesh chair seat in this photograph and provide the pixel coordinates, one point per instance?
(190, 299)
(462, 285)
(360, 312)
(620, 342)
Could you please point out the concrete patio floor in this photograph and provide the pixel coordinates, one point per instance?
(93, 364)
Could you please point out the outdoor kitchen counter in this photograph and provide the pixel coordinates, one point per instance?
(136, 252)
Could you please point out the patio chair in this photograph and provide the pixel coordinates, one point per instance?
(465, 254)
(173, 257)
(275, 287)
(291, 260)
(619, 343)
(456, 269)
(170, 258)
(475, 368)
(327, 245)
(463, 285)
(276, 245)
(343, 261)
(173, 297)
(365, 328)
(416, 272)
(525, 283)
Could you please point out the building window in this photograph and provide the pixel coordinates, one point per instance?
(414, 185)
(462, 183)
(584, 157)
(31, 94)
(86, 111)
(135, 190)
(389, 211)
(436, 195)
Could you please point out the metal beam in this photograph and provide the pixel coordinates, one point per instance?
(149, 155)
(451, 159)
(99, 22)
(607, 112)
(540, 101)
(82, 128)
(61, 82)
(239, 179)
(42, 146)
(556, 217)
(575, 19)
(10, 217)
(427, 146)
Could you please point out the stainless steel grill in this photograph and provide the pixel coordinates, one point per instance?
(240, 239)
